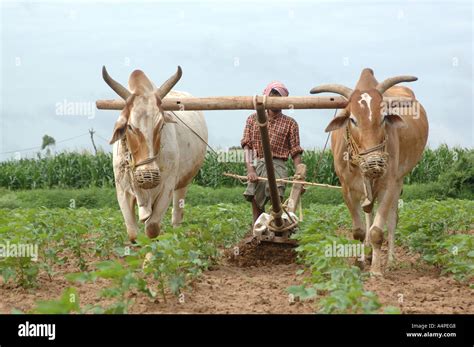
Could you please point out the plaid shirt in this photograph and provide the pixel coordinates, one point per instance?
(283, 132)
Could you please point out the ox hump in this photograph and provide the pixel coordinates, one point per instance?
(139, 82)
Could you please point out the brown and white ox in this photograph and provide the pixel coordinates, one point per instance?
(373, 150)
(155, 155)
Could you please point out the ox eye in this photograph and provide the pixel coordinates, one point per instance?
(130, 128)
(353, 121)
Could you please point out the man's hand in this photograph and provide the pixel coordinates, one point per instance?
(252, 175)
(297, 160)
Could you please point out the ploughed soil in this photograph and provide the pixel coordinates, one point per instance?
(253, 279)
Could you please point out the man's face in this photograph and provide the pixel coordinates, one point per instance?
(274, 92)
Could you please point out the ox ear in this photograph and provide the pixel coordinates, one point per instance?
(395, 121)
(121, 123)
(338, 122)
(119, 129)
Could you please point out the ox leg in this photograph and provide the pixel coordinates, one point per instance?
(161, 204)
(358, 232)
(391, 226)
(127, 206)
(354, 208)
(387, 200)
(178, 206)
(368, 223)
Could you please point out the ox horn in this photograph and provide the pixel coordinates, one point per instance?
(390, 82)
(333, 88)
(169, 84)
(123, 92)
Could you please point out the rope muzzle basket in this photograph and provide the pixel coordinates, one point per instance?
(148, 178)
(372, 162)
(142, 178)
(373, 165)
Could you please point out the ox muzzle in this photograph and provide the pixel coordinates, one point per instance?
(147, 178)
(373, 165)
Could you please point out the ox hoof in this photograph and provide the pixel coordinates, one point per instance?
(358, 234)
(132, 236)
(152, 230)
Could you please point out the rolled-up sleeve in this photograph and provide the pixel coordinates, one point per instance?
(294, 139)
(247, 138)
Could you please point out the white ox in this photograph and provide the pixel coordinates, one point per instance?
(155, 152)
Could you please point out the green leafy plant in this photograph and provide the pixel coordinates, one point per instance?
(337, 284)
(439, 230)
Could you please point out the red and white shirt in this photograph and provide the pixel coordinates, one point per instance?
(283, 132)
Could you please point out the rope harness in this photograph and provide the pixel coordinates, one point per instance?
(372, 165)
(145, 179)
(371, 162)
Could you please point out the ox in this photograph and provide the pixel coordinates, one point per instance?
(156, 154)
(374, 147)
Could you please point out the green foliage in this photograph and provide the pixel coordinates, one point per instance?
(47, 141)
(64, 170)
(435, 162)
(330, 275)
(442, 232)
(459, 178)
(80, 170)
(59, 235)
(76, 235)
(106, 197)
(175, 258)
(67, 303)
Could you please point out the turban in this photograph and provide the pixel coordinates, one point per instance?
(278, 86)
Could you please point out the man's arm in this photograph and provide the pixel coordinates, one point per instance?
(248, 153)
(295, 148)
(297, 160)
(251, 173)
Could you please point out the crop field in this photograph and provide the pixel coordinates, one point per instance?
(81, 261)
(83, 170)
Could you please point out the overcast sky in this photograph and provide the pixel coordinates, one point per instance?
(52, 54)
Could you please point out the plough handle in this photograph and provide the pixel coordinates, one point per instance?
(267, 153)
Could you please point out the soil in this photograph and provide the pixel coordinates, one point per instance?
(416, 287)
(254, 280)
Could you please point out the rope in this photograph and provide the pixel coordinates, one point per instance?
(200, 137)
(242, 179)
(195, 133)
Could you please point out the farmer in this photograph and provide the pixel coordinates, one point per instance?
(284, 141)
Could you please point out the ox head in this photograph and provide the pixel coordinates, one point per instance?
(140, 123)
(366, 120)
